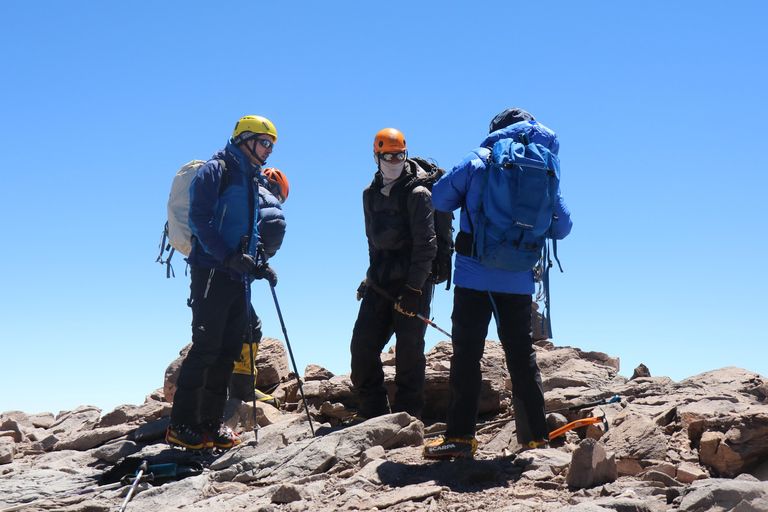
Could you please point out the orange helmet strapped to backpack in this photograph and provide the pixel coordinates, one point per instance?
(277, 182)
(389, 140)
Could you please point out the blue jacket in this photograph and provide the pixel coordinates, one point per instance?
(219, 221)
(460, 188)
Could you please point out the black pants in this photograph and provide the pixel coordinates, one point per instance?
(219, 319)
(472, 312)
(375, 324)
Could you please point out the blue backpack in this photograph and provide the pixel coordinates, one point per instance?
(516, 210)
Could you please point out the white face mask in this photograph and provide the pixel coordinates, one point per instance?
(390, 170)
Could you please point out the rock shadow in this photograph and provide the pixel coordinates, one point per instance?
(460, 475)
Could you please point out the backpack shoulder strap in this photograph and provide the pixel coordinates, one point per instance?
(224, 176)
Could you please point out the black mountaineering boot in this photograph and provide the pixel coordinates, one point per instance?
(220, 435)
(448, 448)
(186, 436)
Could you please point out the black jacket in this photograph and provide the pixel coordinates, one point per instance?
(400, 228)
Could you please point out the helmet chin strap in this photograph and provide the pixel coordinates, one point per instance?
(253, 154)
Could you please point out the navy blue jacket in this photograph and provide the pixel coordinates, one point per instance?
(219, 221)
(462, 186)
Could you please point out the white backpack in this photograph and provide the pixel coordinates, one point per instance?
(177, 235)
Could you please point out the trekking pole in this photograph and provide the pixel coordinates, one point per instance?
(142, 469)
(426, 320)
(293, 361)
(253, 370)
(249, 326)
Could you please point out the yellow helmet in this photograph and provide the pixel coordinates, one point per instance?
(250, 126)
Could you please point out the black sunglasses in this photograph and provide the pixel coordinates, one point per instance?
(266, 143)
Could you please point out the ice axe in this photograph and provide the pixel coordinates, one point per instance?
(378, 289)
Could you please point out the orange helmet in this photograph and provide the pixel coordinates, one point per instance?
(389, 140)
(277, 183)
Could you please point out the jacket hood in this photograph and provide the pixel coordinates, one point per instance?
(537, 133)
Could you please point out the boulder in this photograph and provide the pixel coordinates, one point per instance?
(591, 465)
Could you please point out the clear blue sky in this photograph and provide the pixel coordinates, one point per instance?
(660, 108)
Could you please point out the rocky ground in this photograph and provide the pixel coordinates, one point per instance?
(696, 445)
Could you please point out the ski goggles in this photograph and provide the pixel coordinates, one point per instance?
(393, 157)
(266, 143)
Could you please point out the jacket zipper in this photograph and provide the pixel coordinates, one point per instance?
(223, 213)
(208, 285)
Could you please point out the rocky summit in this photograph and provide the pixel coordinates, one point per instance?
(642, 444)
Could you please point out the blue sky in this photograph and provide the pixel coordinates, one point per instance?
(660, 109)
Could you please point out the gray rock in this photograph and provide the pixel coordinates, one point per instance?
(371, 454)
(149, 411)
(578, 372)
(408, 493)
(151, 431)
(318, 455)
(92, 438)
(42, 420)
(724, 493)
(734, 443)
(113, 452)
(635, 436)
(658, 476)
(688, 472)
(591, 465)
(315, 372)
(502, 440)
(546, 458)
(7, 450)
(83, 418)
(286, 493)
(271, 363)
(619, 504)
(640, 371)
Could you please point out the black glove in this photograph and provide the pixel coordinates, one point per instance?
(361, 289)
(239, 262)
(408, 301)
(264, 271)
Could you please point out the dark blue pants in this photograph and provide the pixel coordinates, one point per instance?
(375, 324)
(219, 319)
(472, 310)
